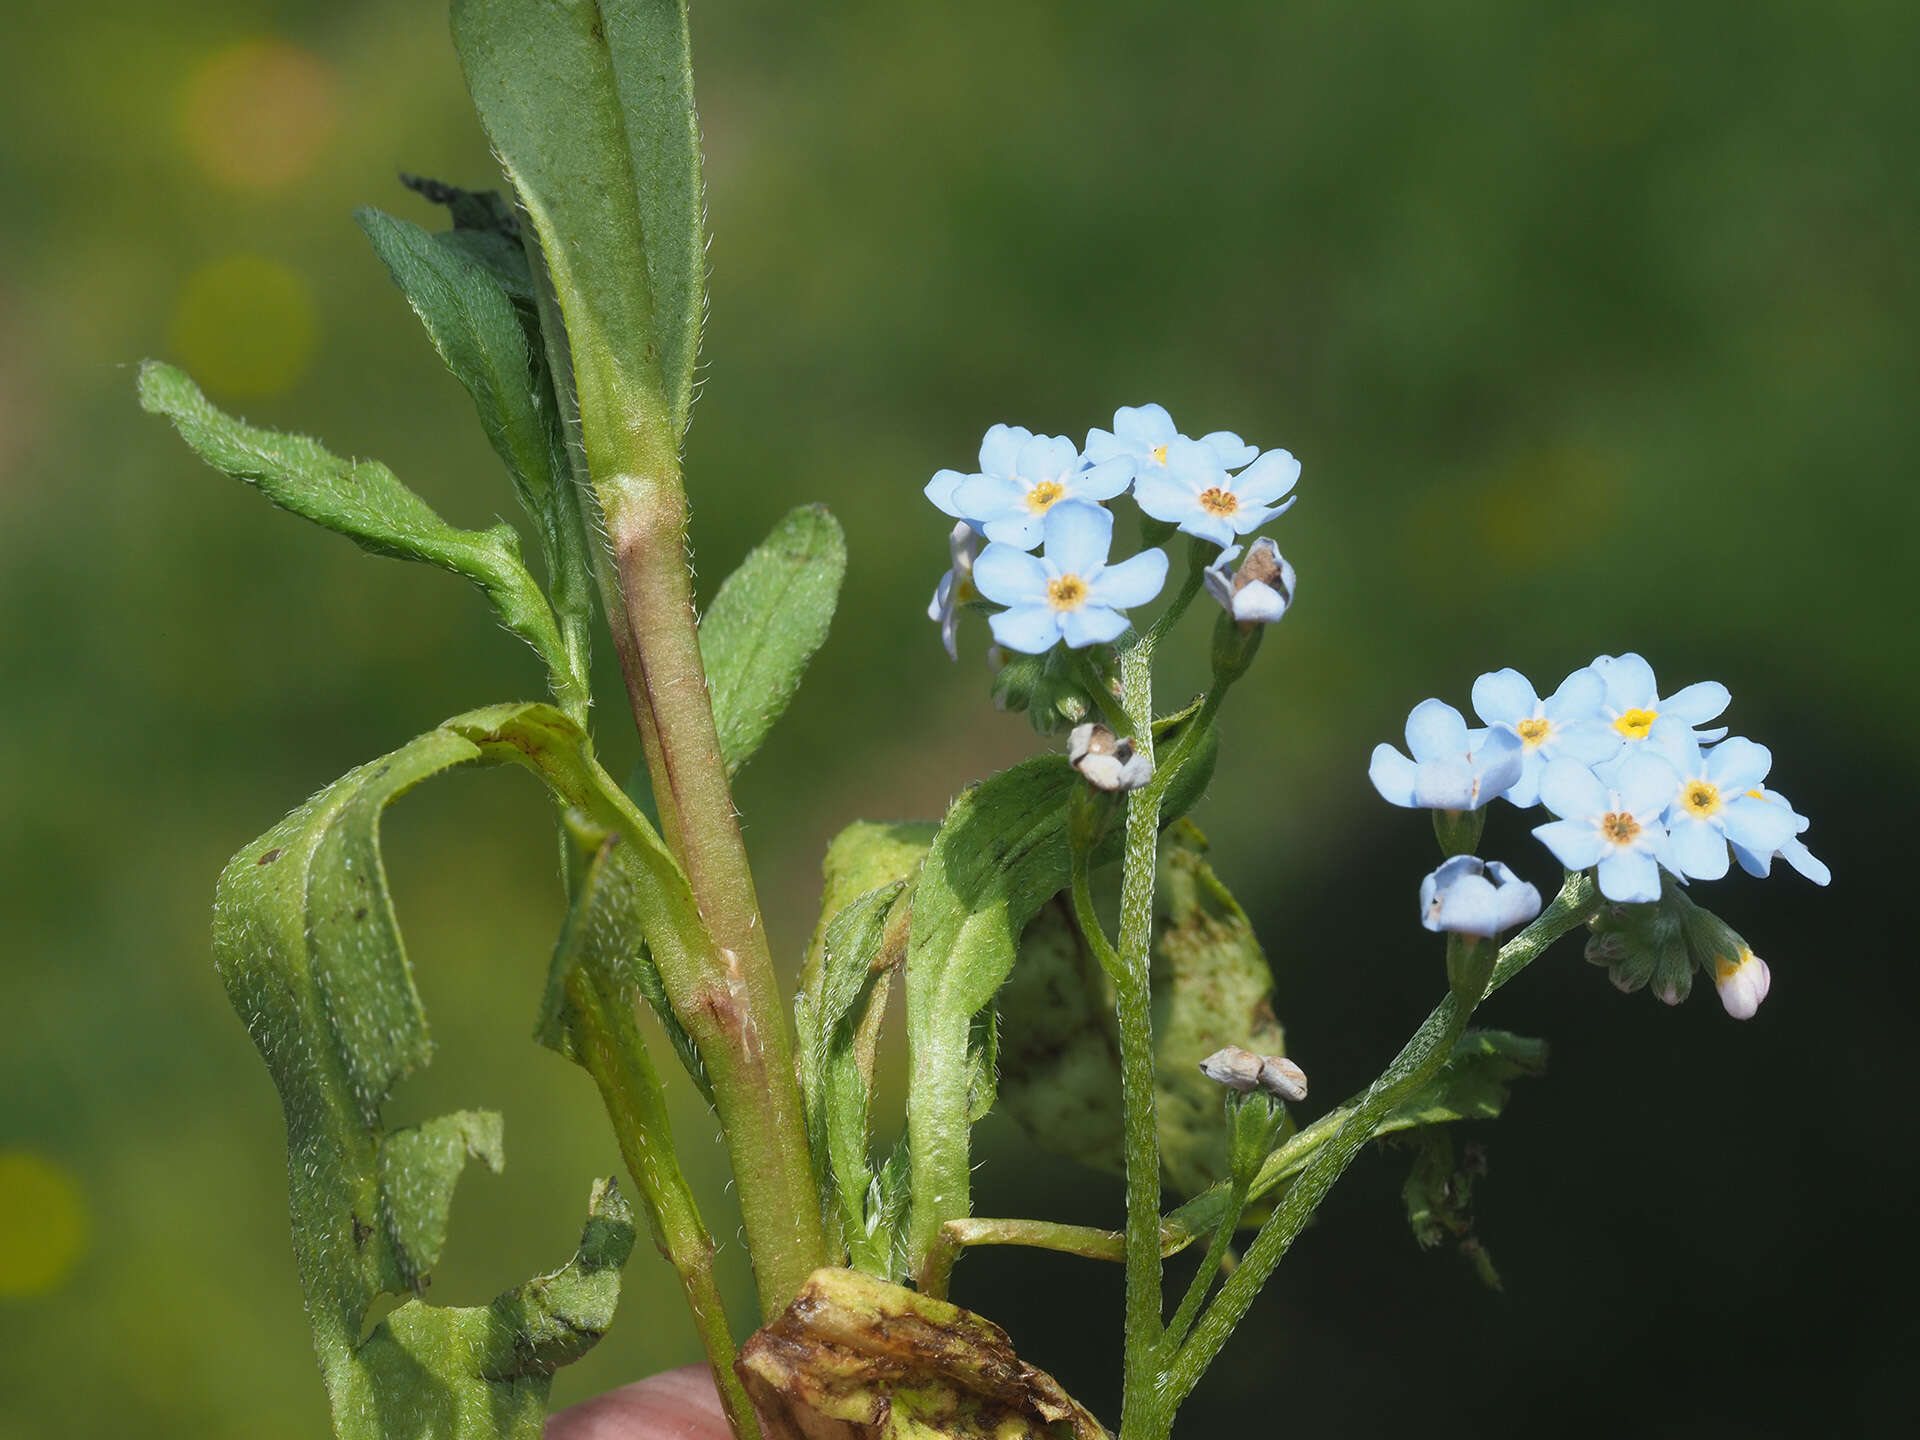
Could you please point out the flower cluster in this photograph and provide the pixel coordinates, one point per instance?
(1637, 783)
(1042, 492)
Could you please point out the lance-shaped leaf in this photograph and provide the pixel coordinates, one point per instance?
(477, 331)
(360, 499)
(763, 626)
(1000, 855)
(485, 227)
(306, 941)
(590, 109)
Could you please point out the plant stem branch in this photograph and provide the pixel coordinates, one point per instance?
(1203, 1277)
(1416, 1063)
(1140, 1403)
(615, 1055)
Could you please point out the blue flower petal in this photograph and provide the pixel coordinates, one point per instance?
(940, 491)
(1759, 826)
(1567, 787)
(1469, 906)
(1020, 528)
(1699, 848)
(1195, 466)
(937, 607)
(1144, 426)
(1739, 764)
(1164, 498)
(1268, 478)
(1448, 783)
(1646, 784)
(990, 496)
(1497, 759)
(1092, 625)
(1133, 581)
(1079, 534)
(1392, 775)
(1802, 859)
(1046, 457)
(1000, 448)
(1629, 877)
(1576, 844)
(1232, 450)
(1699, 703)
(1580, 696)
(1504, 697)
(1591, 742)
(1524, 793)
(1629, 682)
(1008, 575)
(1104, 480)
(1436, 730)
(1030, 629)
(1104, 445)
(1754, 864)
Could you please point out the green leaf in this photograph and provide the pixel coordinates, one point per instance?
(306, 942)
(590, 109)
(482, 337)
(473, 324)
(1000, 855)
(485, 228)
(418, 1168)
(360, 499)
(763, 626)
(1060, 1047)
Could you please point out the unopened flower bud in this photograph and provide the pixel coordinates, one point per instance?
(1107, 761)
(1259, 592)
(1242, 1070)
(1743, 982)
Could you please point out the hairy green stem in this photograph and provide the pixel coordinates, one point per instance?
(1237, 1193)
(1416, 1063)
(615, 1055)
(1140, 1395)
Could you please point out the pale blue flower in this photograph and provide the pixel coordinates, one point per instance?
(1712, 806)
(1068, 591)
(1452, 768)
(999, 452)
(1259, 592)
(1470, 897)
(1194, 491)
(1569, 723)
(1009, 502)
(1636, 711)
(1142, 434)
(1615, 826)
(956, 586)
(1793, 851)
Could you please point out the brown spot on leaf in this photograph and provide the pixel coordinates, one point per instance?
(271, 856)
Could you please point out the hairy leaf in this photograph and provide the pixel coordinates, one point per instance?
(1000, 855)
(360, 499)
(590, 108)
(484, 227)
(763, 626)
(306, 941)
(473, 324)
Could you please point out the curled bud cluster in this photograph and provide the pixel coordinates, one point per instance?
(1244, 1071)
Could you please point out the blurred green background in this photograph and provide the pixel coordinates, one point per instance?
(1594, 327)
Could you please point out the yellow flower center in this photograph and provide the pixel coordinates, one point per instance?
(1634, 724)
(1758, 794)
(1044, 496)
(1534, 732)
(1159, 453)
(1700, 798)
(1067, 592)
(1216, 501)
(1619, 827)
